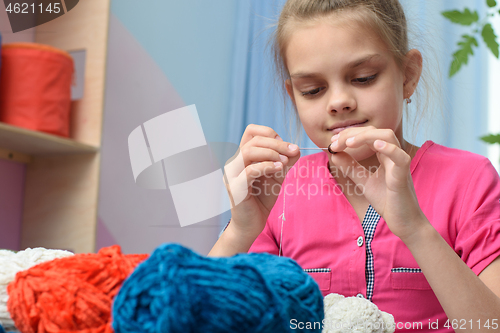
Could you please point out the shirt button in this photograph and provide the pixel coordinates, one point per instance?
(360, 241)
(360, 296)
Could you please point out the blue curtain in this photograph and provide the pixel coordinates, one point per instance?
(255, 97)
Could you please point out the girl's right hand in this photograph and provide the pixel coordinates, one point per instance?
(253, 178)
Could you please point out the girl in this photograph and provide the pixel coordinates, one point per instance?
(416, 230)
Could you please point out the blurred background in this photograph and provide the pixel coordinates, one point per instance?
(162, 55)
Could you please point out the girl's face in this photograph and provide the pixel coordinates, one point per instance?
(343, 75)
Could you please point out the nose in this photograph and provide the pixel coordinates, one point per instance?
(341, 100)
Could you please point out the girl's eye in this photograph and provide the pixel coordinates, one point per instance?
(365, 80)
(312, 92)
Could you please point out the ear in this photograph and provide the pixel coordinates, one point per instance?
(289, 90)
(412, 72)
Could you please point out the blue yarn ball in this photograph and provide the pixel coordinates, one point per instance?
(2, 330)
(177, 290)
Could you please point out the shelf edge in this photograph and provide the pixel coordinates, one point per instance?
(13, 156)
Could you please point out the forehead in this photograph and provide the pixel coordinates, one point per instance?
(333, 42)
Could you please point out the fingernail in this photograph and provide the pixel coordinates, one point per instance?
(379, 144)
(277, 137)
(278, 165)
(293, 147)
(350, 140)
(334, 144)
(283, 158)
(335, 137)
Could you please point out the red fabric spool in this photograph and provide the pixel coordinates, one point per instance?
(72, 294)
(35, 87)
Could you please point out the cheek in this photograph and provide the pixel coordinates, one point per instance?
(384, 101)
(308, 114)
(312, 121)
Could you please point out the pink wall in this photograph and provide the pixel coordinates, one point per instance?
(11, 203)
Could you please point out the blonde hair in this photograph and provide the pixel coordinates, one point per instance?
(385, 17)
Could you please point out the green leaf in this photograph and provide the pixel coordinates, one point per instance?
(490, 39)
(465, 18)
(491, 3)
(461, 57)
(491, 139)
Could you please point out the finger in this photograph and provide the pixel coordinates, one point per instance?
(397, 160)
(346, 166)
(357, 136)
(260, 149)
(247, 177)
(240, 187)
(275, 169)
(280, 146)
(234, 166)
(338, 140)
(348, 132)
(253, 130)
(259, 154)
(368, 138)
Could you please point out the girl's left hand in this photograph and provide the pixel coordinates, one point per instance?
(390, 188)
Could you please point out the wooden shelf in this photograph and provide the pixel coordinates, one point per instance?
(24, 141)
(61, 184)
(62, 179)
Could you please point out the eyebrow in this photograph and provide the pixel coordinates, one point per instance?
(350, 65)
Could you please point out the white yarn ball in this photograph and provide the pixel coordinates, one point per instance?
(11, 263)
(355, 315)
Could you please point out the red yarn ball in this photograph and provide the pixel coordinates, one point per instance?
(72, 294)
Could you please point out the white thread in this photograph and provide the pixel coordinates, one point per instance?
(283, 219)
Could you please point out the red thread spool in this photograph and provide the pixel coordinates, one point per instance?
(35, 87)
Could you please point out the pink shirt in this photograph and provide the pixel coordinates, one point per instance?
(458, 192)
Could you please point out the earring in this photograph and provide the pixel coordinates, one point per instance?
(408, 100)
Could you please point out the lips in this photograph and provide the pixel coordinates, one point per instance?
(346, 124)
